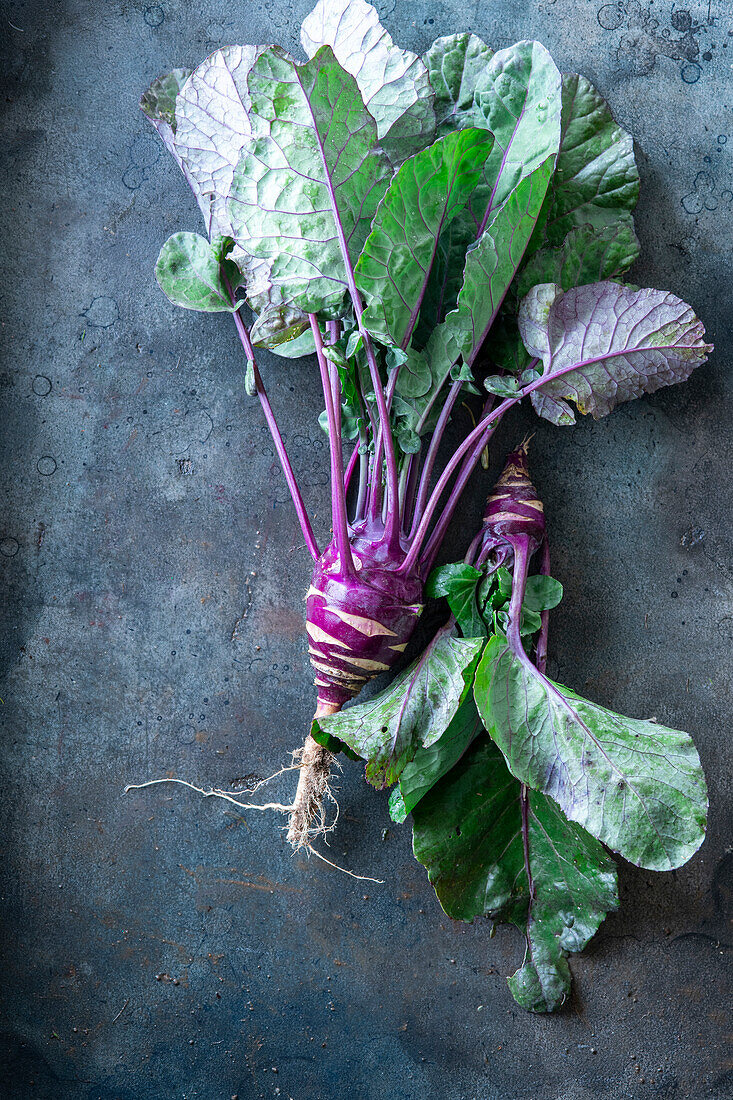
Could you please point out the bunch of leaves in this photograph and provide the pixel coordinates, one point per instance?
(419, 210)
(410, 220)
(516, 783)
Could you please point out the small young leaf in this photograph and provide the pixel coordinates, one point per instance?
(458, 582)
(501, 386)
(414, 379)
(190, 275)
(408, 440)
(393, 83)
(606, 343)
(542, 593)
(250, 386)
(414, 711)
(396, 806)
(635, 785)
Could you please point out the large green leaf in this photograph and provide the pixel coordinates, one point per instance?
(518, 98)
(491, 264)
(306, 188)
(636, 785)
(605, 343)
(596, 176)
(432, 763)
(427, 192)
(456, 64)
(394, 83)
(414, 711)
(469, 834)
(589, 254)
(520, 102)
(189, 272)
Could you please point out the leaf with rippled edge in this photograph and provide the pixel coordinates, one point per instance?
(596, 178)
(635, 785)
(212, 123)
(426, 194)
(604, 343)
(587, 255)
(189, 273)
(309, 178)
(414, 711)
(394, 83)
(456, 64)
(469, 834)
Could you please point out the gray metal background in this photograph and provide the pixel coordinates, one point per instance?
(158, 945)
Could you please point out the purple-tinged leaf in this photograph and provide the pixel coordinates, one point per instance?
(394, 83)
(212, 122)
(634, 784)
(309, 178)
(605, 343)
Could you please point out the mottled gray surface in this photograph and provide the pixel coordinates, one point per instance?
(158, 945)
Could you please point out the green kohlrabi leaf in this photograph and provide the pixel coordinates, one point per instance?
(588, 254)
(633, 784)
(306, 187)
(432, 763)
(427, 192)
(596, 178)
(456, 65)
(414, 379)
(470, 835)
(393, 83)
(518, 98)
(492, 263)
(190, 275)
(458, 582)
(520, 101)
(605, 343)
(541, 593)
(414, 711)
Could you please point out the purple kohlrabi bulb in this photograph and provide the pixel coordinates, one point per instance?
(513, 510)
(358, 625)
